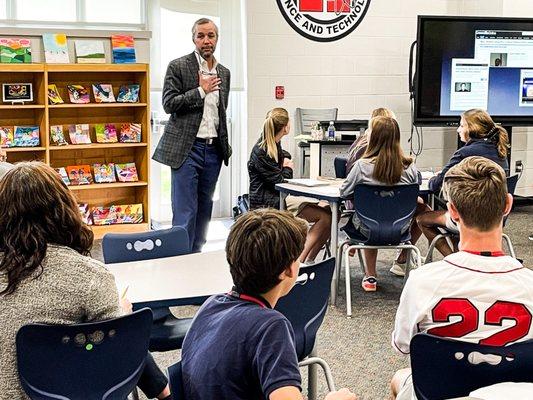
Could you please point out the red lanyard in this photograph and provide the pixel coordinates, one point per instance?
(486, 253)
(251, 299)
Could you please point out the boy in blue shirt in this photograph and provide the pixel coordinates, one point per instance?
(238, 347)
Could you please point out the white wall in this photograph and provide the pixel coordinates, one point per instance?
(365, 70)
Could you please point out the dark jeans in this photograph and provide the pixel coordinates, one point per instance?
(193, 185)
(152, 380)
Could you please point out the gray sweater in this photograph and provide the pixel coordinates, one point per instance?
(71, 289)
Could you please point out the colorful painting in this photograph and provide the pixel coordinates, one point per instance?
(79, 134)
(128, 94)
(13, 50)
(127, 213)
(55, 48)
(106, 133)
(130, 133)
(103, 93)
(104, 173)
(63, 174)
(53, 95)
(80, 174)
(126, 172)
(86, 214)
(17, 92)
(26, 136)
(78, 94)
(89, 51)
(57, 137)
(123, 49)
(6, 136)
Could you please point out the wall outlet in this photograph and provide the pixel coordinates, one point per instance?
(518, 166)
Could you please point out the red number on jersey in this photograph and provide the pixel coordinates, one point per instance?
(447, 308)
(502, 310)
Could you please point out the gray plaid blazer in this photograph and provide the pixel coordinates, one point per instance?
(182, 100)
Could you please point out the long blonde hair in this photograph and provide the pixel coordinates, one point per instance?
(385, 152)
(276, 120)
(480, 125)
(382, 112)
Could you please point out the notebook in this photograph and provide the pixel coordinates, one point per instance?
(308, 182)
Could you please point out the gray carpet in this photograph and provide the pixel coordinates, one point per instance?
(358, 349)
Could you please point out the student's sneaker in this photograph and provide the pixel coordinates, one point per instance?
(398, 269)
(369, 284)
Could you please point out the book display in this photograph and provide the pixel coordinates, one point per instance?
(99, 149)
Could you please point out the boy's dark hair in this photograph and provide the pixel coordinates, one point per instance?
(261, 245)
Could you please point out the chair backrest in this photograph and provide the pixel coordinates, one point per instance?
(340, 166)
(445, 368)
(175, 379)
(385, 210)
(306, 304)
(123, 247)
(93, 361)
(512, 181)
(304, 118)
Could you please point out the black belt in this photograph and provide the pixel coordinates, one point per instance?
(207, 140)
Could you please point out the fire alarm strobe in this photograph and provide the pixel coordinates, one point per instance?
(280, 92)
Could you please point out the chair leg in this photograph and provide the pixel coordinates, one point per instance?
(431, 248)
(325, 367)
(507, 240)
(134, 395)
(361, 261)
(339, 264)
(348, 282)
(312, 378)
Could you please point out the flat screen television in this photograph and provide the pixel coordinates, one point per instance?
(473, 62)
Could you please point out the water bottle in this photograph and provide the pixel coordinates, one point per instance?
(331, 131)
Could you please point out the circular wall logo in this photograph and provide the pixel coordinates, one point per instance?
(323, 20)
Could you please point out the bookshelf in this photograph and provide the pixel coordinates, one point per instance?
(40, 113)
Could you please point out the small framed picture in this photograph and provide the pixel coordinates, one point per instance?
(17, 92)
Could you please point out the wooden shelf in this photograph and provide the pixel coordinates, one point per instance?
(94, 146)
(22, 67)
(23, 149)
(102, 186)
(100, 230)
(97, 105)
(97, 67)
(20, 106)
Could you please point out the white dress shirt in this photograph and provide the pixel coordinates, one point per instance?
(210, 120)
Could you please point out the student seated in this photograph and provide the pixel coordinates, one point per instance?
(46, 275)
(480, 274)
(269, 165)
(238, 347)
(482, 137)
(382, 164)
(4, 165)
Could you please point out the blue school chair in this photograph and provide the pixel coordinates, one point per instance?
(305, 307)
(446, 368)
(93, 361)
(175, 379)
(168, 331)
(386, 211)
(512, 181)
(340, 166)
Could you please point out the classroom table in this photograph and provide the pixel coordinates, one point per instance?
(173, 281)
(331, 194)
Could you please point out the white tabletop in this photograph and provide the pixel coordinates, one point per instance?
(173, 280)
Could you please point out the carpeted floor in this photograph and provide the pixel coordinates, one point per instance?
(358, 349)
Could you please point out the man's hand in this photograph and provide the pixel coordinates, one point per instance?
(209, 83)
(343, 394)
(287, 163)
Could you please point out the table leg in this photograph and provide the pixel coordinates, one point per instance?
(431, 200)
(282, 197)
(334, 247)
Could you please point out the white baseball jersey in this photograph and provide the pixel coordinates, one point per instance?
(468, 297)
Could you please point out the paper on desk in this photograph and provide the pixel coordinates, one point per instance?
(308, 182)
(505, 391)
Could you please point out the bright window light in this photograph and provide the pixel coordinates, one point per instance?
(49, 10)
(120, 11)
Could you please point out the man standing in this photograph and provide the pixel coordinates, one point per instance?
(195, 141)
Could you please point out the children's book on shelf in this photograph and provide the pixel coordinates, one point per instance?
(104, 173)
(103, 93)
(123, 49)
(57, 137)
(126, 172)
(105, 133)
(15, 50)
(6, 136)
(63, 174)
(79, 134)
(86, 214)
(55, 48)
(78, 94)
(127, 213)
(128, 94)
(130, 133)
(53, 95)
(89, 51)
(79, 174)
(26, 136)
(102, 216)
